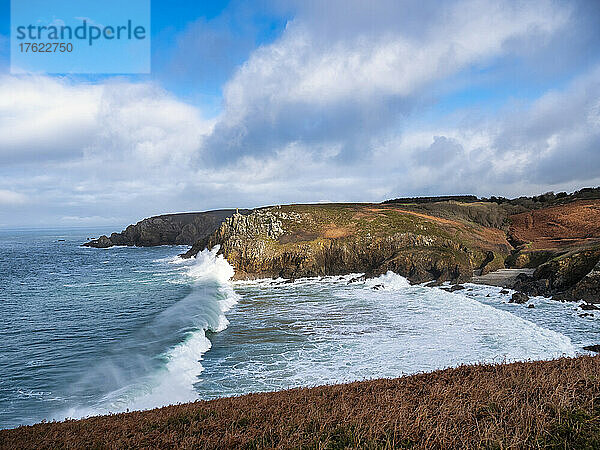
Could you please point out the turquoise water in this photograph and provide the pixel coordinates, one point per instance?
(77, 323)
(90, 331)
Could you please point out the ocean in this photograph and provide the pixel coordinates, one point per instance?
(88, 331)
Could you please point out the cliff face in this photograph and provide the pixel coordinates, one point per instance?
(445, 240)
(168, 229)
(562, 242)
(588, 288)
(571, 276)
(333, 239)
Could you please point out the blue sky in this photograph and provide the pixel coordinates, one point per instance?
(232, 29)
(266, 102)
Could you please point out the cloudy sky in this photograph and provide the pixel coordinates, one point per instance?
(267, 102)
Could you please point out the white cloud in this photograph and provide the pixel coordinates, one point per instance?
(332, 109)
(310, 87)
(48, 118)
(77, 149)
(551, 143)
(302, 68)
(11, 198)
(145, 125)
(556, 139)
(43, 117)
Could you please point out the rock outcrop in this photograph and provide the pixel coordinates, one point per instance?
(572, 276)
(314, 240)
(168, 229)
(552, 241)
(519, 298)
(588, 288)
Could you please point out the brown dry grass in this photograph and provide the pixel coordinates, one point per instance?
(483, 237)
(551, 404)
(333, 231)
(574, 224)
(422, 216)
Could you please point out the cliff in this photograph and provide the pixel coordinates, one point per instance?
(450, 239)
(168, 229)
(562, 243)
(332, 239)
(573, 275)
(443, 241)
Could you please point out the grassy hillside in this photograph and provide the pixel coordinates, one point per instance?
(332, 239)
(552, 404)
(576, 224)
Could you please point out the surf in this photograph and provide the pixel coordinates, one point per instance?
(135, 379)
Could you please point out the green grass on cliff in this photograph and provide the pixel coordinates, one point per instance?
(312, 223)
(359, 219)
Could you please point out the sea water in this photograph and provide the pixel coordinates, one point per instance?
(92, 331)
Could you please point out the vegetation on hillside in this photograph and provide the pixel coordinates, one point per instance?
(294, 241)
(533, 202)
(552, 404)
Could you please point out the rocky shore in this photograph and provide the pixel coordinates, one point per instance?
(551, 250)
(168, 229)
(552, 239)
(570, 277)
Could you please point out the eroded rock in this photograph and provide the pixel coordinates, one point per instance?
(518, 297)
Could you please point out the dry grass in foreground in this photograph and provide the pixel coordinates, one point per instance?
(553, 404)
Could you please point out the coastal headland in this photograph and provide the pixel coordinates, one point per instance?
(553, 238)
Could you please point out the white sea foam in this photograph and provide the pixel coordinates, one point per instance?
(324, 330)
(266, 282)
(328, 330)
(211, 297)
(390, 280)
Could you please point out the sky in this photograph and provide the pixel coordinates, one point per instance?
(268, 102)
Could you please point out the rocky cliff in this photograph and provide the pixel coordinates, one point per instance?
(562, 243)
(168, 229)
(452, 239)
(572, 276)
(331, 239)
(441, 241)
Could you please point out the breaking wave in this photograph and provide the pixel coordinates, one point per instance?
(136, 379)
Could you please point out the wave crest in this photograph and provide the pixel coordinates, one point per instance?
(202, 310)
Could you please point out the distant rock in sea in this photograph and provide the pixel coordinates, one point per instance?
(168, 229)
